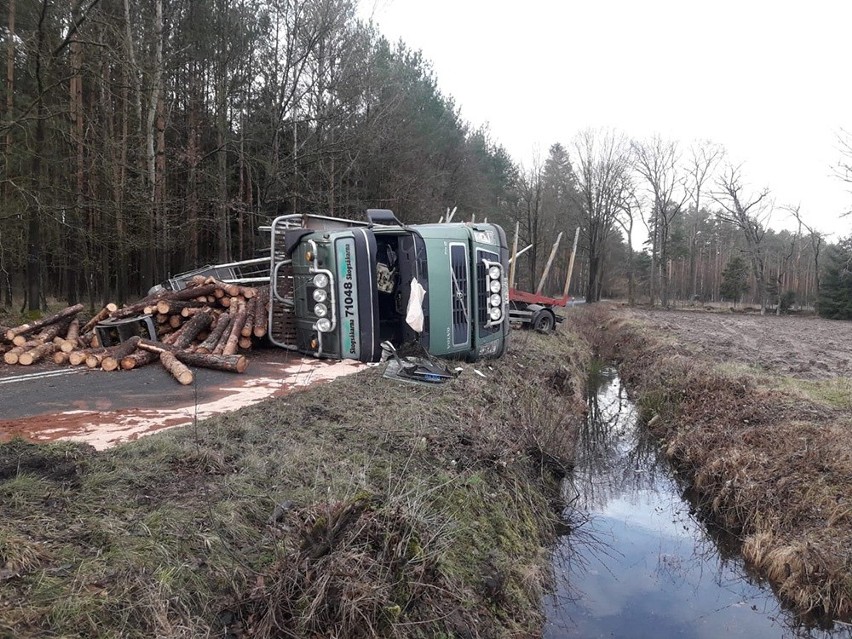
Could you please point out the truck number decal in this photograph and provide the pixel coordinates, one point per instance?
(347, 292)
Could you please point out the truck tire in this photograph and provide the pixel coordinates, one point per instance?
(543, 321)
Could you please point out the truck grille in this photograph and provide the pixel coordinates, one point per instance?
(461, 313)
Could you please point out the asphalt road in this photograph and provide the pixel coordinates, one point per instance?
(26, 393)
(46, 402)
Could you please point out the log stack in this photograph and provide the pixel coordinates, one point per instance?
(209, 324)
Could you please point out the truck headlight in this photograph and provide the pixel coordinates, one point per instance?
(495, 286)
(320, 295)
(324, 325)
(495, 313)
(494, 272)
(320, 310)
(495, 300)
(320, 280)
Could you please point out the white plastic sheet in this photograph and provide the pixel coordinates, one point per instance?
(414, 313)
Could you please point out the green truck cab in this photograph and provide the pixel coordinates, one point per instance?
(338, 288)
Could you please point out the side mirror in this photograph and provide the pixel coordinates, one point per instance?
(382, 216)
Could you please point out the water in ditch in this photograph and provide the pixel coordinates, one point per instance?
(638, 562)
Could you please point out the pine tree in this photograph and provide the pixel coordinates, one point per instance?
(835, 296)
(734, 279)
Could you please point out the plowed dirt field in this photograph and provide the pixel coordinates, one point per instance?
(796, 346)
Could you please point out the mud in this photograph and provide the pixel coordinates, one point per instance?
(796, 346)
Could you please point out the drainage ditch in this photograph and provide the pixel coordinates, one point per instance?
(638, 562)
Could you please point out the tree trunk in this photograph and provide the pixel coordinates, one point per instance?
(36, 354)
(209, 344)
(236, 330)
(229, 363)
(10, 98)
(46, 321)
(176, 368)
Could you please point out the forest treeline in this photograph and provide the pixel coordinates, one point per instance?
(142, 138)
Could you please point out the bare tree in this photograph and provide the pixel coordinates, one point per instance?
(625, 219)
(658, 162)
(750, 215)
(816, 240)
(530, 187)
(602, 161)
(843, 170)
(704, 156)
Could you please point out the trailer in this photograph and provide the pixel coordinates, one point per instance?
(535, 310)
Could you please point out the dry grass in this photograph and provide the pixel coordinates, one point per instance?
(769, 462)
(360, 508)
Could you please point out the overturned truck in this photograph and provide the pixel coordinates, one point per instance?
(339, 288)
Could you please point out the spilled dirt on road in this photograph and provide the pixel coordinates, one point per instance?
(102, 427)
(758, 417)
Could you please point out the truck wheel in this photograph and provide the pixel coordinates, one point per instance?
(543, 321)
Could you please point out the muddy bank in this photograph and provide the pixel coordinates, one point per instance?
(360, 508)
(768, 455)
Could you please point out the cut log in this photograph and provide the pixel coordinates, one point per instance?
(171, 307)
(229, 363)
(182, 295)
(75, 358)
(137, 359)
(261, 316)
(177, 368)
(34, 355)
(12, 356)
(244, 343)
(175, 321)
(60, 358)
(208, 345)
(231, 290)
(94, 359)
(85, 340)
(113, 361)
(156, 347)
(251, 306)
(49, 334)
(161, 318)
(99, 316)
(192, 312)
(192, 328)
(225, 335)
(70, 342)
(248, 292)
(73, 330)
(234, 337)
(25, 329)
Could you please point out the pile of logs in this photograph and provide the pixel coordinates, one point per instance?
(205, 325)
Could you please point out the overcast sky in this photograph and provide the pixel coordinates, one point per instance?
(771, 81)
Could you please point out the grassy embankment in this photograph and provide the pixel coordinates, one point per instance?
(770, 457)
(364, 507)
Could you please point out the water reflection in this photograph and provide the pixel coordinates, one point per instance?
(638, 563)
